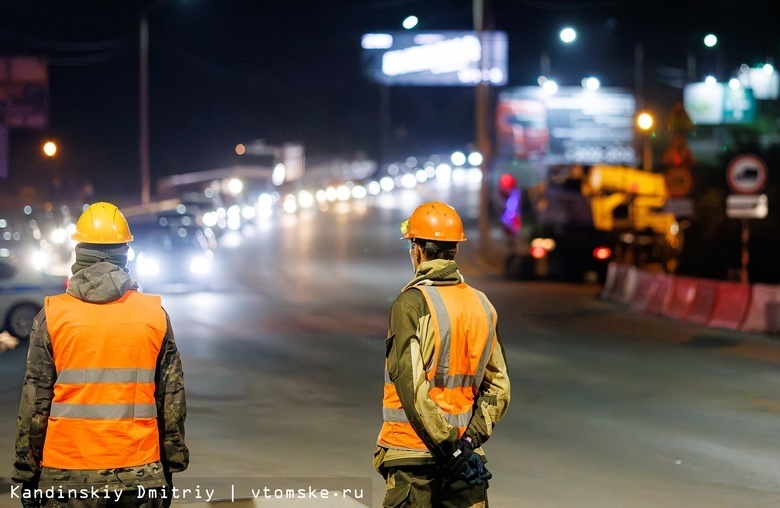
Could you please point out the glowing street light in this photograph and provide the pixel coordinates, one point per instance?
(410, 22)
(645, 122)
(568, 35)
(50, 148)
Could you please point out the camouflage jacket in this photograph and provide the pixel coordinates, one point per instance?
(410, 321)
(98, 283)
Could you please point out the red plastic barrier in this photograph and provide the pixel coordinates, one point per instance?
(645, 285)
(703, 302)
(731, 305)
(681, 296)
(763, 300)
(663, 286)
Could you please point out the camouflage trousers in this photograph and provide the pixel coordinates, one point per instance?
(150, 498)
(426, 487)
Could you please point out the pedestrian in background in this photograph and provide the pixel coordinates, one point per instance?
(103, 401)
(446, 381)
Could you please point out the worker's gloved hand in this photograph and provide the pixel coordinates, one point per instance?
(483, 475)
(27, 495)
(467, 465)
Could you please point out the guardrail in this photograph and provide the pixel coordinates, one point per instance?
(718, 304)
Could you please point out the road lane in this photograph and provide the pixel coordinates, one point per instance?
(283, 367)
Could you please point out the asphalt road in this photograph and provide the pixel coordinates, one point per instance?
(610, 408)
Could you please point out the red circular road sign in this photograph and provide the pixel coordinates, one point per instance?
(746, 174)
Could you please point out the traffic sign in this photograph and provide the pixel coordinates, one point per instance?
(746, 174)
(740, 206)
(679, 181)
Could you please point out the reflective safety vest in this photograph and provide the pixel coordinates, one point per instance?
(464, 334)
(103, 414)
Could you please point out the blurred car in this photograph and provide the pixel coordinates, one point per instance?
(165, 258)
(22, 290)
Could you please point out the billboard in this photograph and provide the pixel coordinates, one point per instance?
(764, 81)
(444, 58)
(718, 103)
(24, 92)
(570, 126)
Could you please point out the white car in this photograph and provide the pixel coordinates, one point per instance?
(22, 290)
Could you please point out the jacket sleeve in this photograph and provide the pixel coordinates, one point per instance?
(171, 405)
(406, 358)
(493, 399)
(35, 405)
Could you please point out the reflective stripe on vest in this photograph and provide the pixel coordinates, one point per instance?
(399, 416)
(104, 414)
(454, 378)
(103, 411)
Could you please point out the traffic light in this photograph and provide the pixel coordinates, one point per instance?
(511, 216)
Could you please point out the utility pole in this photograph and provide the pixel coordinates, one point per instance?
(143, 102)
(481, 126)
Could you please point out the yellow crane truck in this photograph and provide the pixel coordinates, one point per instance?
(579, 218)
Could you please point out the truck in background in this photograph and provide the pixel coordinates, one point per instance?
(578, 200)
(582, 217)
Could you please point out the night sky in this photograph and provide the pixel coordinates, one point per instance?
(223, 72)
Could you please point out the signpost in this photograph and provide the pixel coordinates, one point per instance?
(746, 175)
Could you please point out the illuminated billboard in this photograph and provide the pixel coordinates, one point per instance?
(717, 103)
(444, 58)
(570, 126)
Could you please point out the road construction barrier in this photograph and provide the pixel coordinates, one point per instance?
(680, 297)
(718, 304)
(703, 302)
(731, 305)
(762, 314)
(663, 286)
(645, 286)
(622, 284)
(609, 281)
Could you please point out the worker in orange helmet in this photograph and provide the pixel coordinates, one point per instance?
(446, 381)
(103, 406)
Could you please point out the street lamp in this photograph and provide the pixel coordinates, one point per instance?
(645, 122)
(143, 98)
(568, 35)
(710, 41)
(50, 148)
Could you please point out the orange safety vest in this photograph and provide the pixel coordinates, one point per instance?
(464, 332)
(103, 414)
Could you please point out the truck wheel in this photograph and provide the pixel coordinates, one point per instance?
(20, 320)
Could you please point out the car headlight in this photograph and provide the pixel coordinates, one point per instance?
(200, 265)
(145, 265)
(40, 260)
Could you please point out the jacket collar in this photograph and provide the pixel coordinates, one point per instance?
(437, 272)
(100, 283)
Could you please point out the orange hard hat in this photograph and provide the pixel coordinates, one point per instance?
(102, 223)
(434, 221)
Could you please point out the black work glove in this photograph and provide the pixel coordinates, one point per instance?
(482, 473)
(27, 497)
(466, 465)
